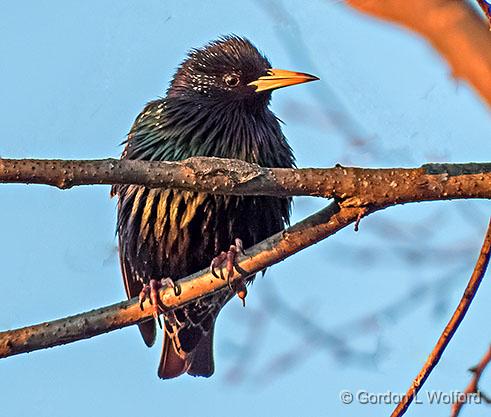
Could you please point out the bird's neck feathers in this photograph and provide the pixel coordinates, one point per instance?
(230, 129)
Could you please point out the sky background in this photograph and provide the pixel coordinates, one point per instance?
(74, 75)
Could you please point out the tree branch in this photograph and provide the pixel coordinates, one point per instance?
(82, 326)
(451, 327)
(358, 192)
(228, 176)
(486, 8)
(454, 29)
(473, 387)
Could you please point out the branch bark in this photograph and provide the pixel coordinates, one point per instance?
(357, 192)
(82, 326)
(451, 327)
(356, 186)
(453, 28)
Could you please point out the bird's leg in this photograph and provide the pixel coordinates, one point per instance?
(151, 290)
(229, 258)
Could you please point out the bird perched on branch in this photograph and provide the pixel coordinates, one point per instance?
(216, 105)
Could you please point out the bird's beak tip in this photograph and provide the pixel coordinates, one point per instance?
(278, 78)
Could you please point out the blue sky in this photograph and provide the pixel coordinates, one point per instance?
(74, 75)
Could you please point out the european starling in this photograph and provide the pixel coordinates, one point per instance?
(216, 105)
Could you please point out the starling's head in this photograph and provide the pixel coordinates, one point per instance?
(230, 69)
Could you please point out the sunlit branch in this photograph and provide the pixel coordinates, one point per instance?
(355, 186)
(82, 326)
(357, 192)
(454, 28)
(486, 8)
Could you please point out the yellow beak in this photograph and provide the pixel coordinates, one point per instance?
(278, 78)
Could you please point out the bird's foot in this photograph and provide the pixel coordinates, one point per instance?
(151, 291)
(362, 213)
(229, 258)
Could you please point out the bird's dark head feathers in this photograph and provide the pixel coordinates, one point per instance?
(217, 105)
(221, 70)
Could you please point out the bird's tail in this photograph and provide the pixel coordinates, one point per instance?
(171, 363)
(199, 362)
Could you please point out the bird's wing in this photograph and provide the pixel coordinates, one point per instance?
(145, 128)
(133, 287)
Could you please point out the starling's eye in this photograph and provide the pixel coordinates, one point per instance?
(232, 80)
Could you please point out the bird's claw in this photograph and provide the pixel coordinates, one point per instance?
(240, 246)
(151, 291)
(216, 262)
(229, 258)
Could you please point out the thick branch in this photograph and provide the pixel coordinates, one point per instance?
(454, 29)
(82, 326)
(358, 191)
(451, 327)
(486, 8)
(358, 186)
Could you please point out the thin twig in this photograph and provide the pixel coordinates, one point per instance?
(451, 327)
(473, 387)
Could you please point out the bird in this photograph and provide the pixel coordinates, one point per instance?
(217, 105)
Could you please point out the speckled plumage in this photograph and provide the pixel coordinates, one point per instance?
(169, 233)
